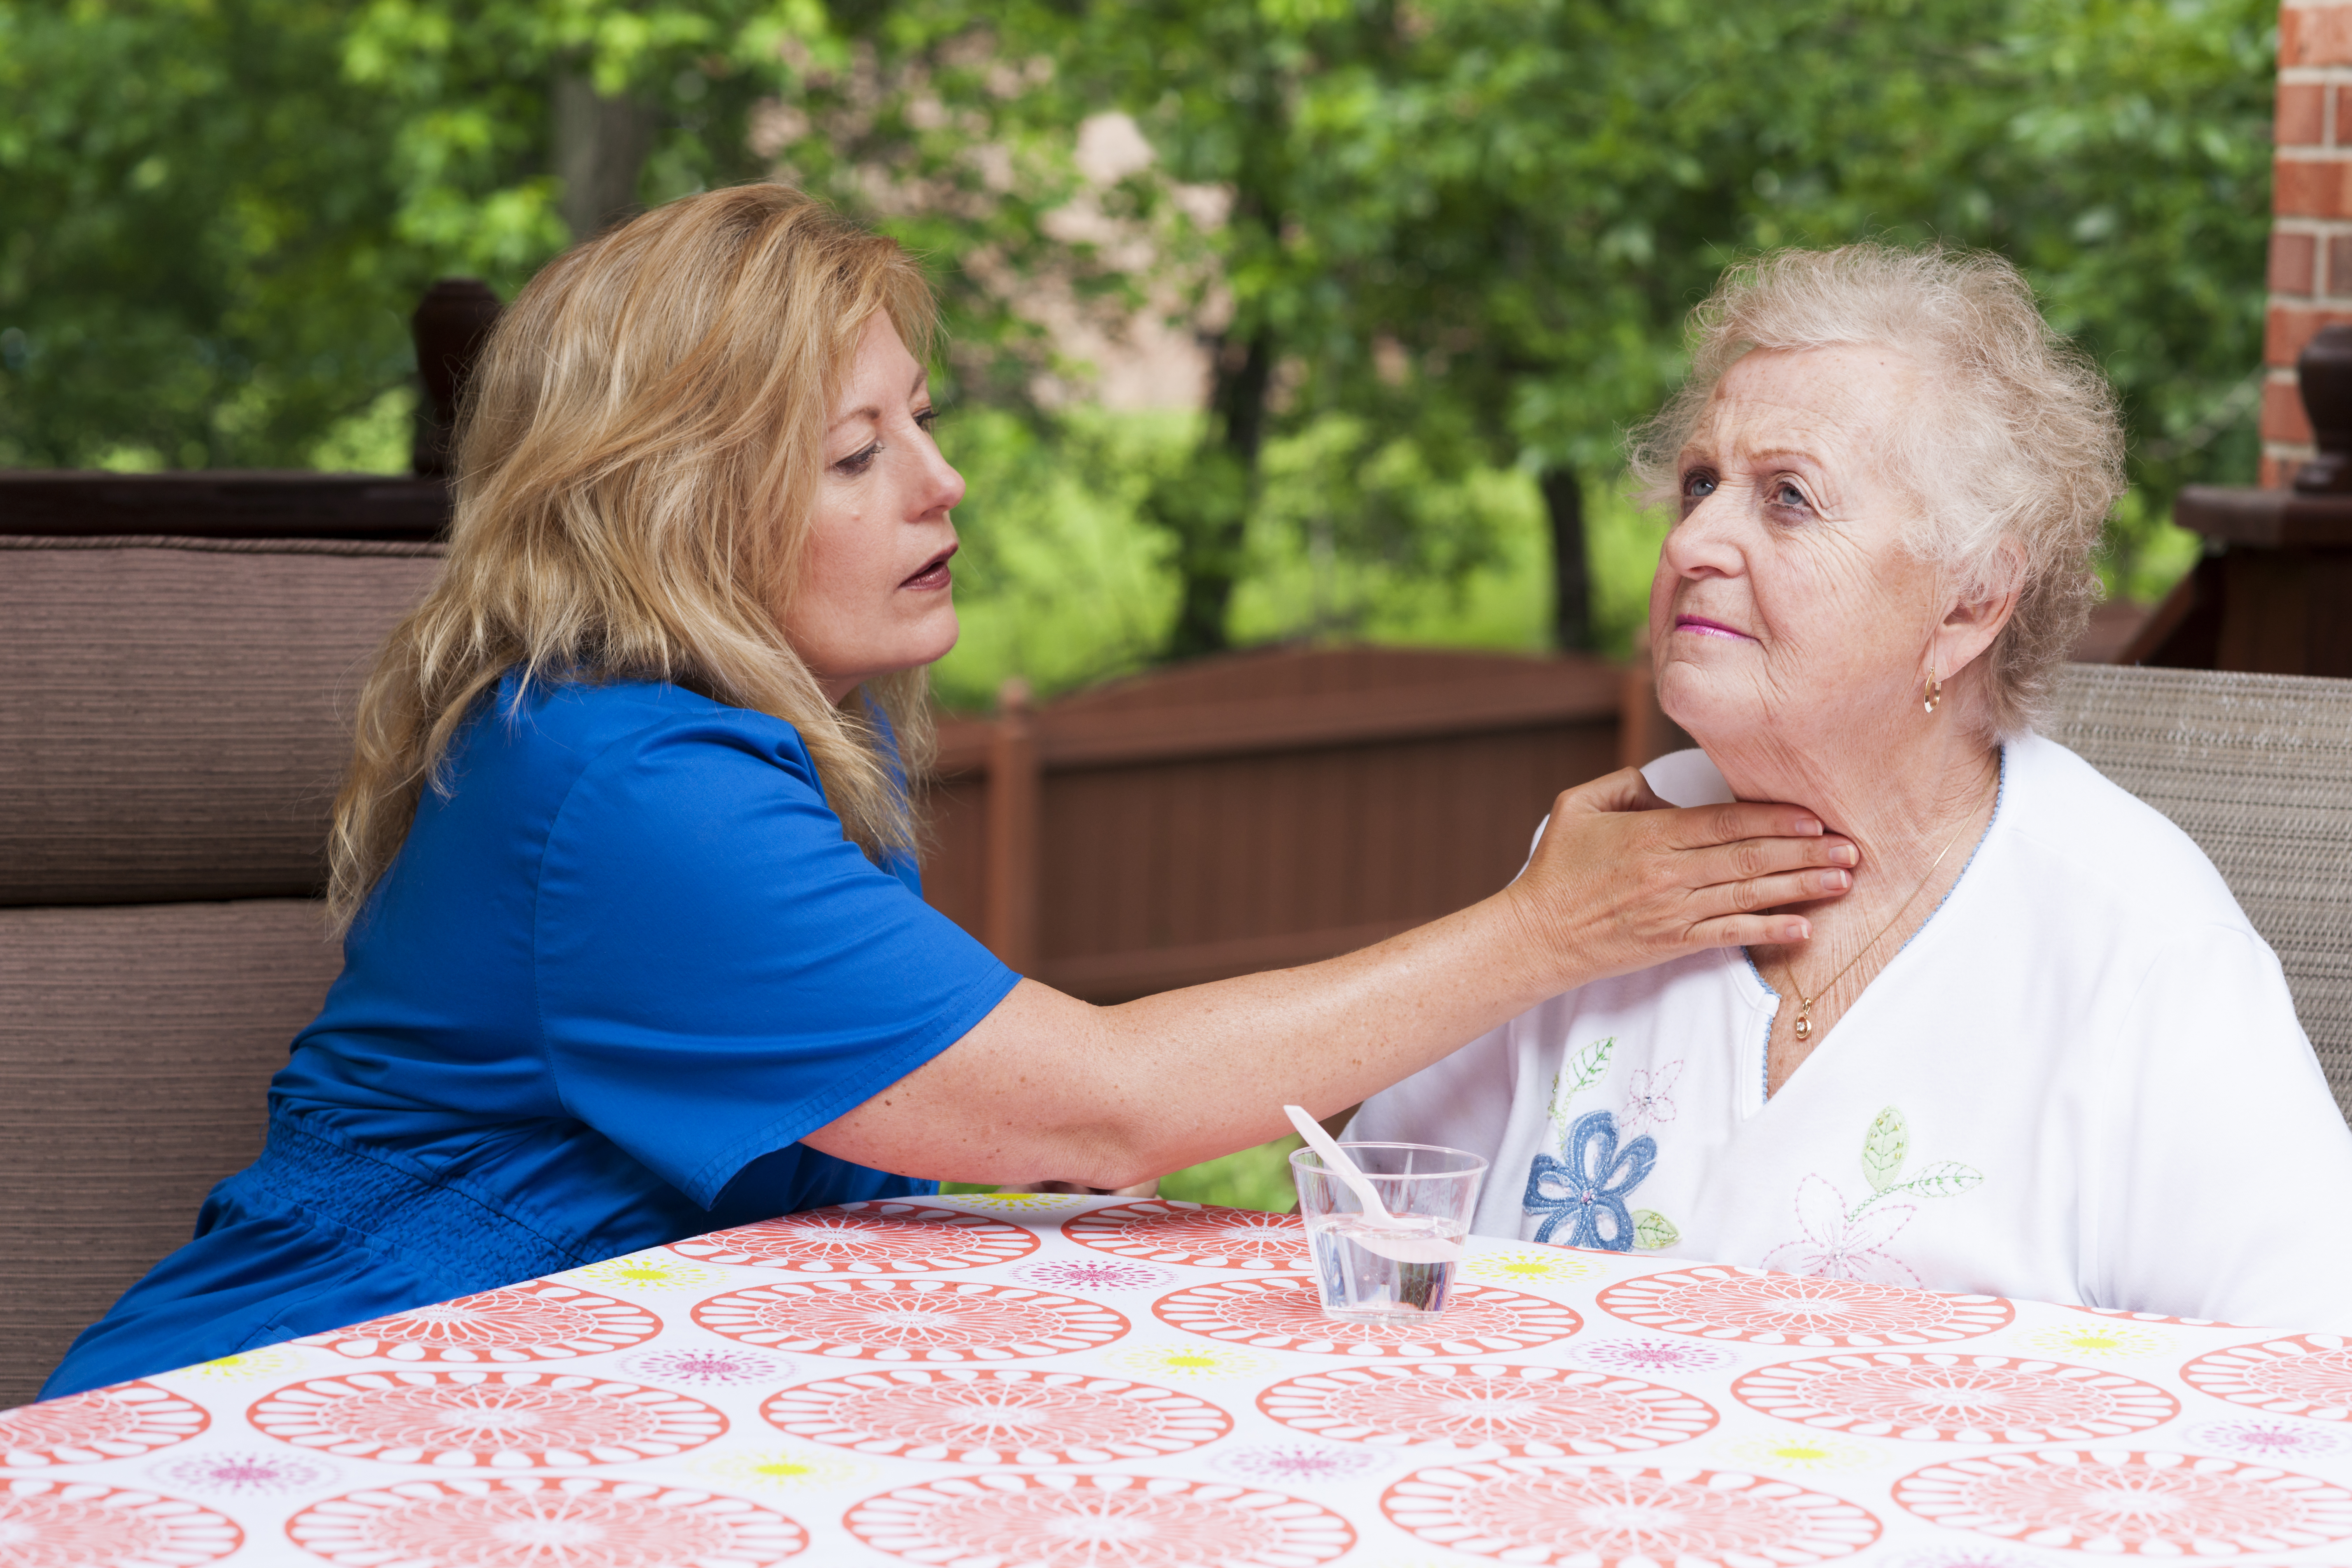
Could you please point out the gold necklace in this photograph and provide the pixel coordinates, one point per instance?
(1803, 1028)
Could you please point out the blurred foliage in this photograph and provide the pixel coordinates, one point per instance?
(196, 263)
(1256, 1178)
(1063, 581)
(1437, 247)
(1478, 223)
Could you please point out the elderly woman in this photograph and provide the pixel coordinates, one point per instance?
(2064, 1066)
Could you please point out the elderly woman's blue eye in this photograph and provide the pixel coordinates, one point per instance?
(1698, 484)
(1789, 495)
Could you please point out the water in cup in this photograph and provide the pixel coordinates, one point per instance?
(1362, 1285)
(1384, 1238)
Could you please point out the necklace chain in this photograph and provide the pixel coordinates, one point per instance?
(1803, 1027)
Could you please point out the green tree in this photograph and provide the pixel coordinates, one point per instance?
(1454, 235)
(195, 266)
(1554, 183)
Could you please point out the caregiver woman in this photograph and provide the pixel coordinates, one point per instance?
(635, 948)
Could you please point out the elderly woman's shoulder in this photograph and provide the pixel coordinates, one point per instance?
(2106, 843)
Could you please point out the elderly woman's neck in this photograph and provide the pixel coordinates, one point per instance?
(1900, 797)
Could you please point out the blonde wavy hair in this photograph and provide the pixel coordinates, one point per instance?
(640, 447)
(2014, 456)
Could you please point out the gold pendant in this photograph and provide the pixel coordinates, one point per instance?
(1804, 1029)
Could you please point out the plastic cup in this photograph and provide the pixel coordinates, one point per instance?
(1433, 1190)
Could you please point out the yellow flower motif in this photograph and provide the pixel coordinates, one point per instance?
(786, 1469)
(1803, 1452)
(1188, 1361)
(269, 1361)
(1528, 1268)
(2098, 1341)
(644, 1271)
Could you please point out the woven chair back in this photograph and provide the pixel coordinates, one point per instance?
(2258, 769)
(175, 716)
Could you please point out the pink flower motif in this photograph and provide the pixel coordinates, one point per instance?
(1840, 1243)
(1094, 1274)
(242, 1474)
(708, 1367)
(2272, 1439)
(1295, 1464)
(1649, 1099)
(1652, 1356)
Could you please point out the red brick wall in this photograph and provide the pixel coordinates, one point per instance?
(2311, 226)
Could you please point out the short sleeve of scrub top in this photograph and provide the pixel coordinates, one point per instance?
(701, 922)
(634, 909)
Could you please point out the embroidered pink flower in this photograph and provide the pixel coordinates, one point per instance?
(1649, 1097)
(1841, 1242)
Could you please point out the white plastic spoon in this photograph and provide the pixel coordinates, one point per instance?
(1394, 1238)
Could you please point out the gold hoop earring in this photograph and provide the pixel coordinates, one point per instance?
(1935, 690)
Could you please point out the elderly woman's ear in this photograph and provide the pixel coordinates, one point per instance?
(1975, 615)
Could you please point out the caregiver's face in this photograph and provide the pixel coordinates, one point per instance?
(875, 593)
(1783, 598)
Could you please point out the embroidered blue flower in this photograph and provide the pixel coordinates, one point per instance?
(1591, 1184)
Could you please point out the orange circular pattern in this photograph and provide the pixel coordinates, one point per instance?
(1540, 1410)
(1543, 1512)
(49, 1523)
(1064, 1521)
(544, 1522)
(996, 1416)
(2158, 1505)
(882, 1236)
(934, 1320)
(540, 1320)
(1197, 1235)
(1282, 1312)
(539, 1419)
(1721, 1302)
(1952, 1398)
(2308, 1375)
(117, 1422)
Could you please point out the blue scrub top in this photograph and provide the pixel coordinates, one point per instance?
(609, 982)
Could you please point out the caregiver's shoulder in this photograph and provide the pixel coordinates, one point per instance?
(578, 733)
(2105, 847)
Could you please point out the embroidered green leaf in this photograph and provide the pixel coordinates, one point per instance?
(1653, 1230)
(1944, 1179)
(1582, 1071)
(1882, 1150)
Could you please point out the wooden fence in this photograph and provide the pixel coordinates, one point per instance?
(1263, 809)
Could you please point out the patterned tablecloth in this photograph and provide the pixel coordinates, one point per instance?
(978, 1382)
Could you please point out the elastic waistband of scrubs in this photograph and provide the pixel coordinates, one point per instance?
(439, 1230)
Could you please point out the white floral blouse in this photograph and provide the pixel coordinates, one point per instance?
(2083, 1081)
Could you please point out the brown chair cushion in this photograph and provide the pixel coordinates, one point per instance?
(136, 1045)
(174, 713)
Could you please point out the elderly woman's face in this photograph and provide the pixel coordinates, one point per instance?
(1784, 606)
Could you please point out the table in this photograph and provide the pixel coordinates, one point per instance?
(983, 1381)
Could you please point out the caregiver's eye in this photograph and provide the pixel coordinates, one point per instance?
(859, 462)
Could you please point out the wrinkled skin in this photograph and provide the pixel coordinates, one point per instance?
(1793, 635)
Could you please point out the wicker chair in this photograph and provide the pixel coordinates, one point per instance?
(174, 718)
(2258, 769)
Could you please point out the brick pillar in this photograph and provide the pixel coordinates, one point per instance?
(2311, 206)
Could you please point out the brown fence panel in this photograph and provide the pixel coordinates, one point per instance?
(1260, 810)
